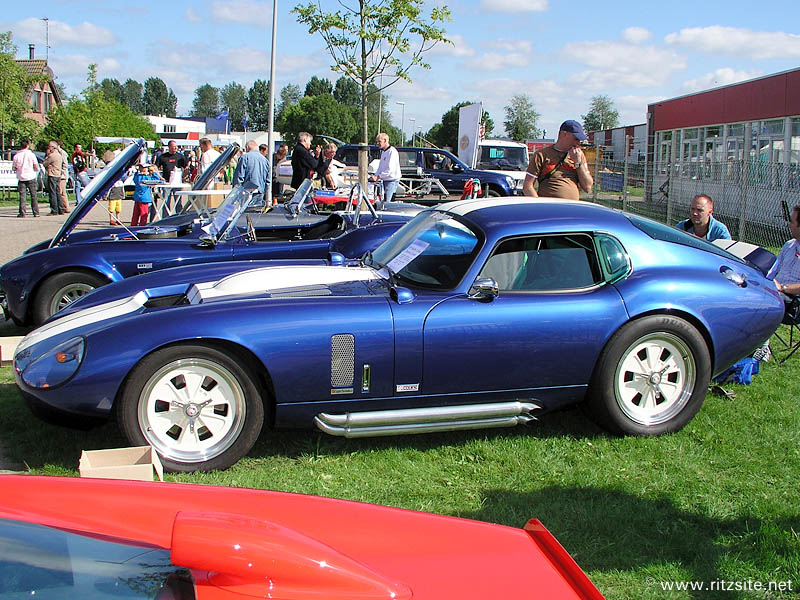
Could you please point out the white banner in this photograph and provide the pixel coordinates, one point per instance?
(469, 118)
(8, 178)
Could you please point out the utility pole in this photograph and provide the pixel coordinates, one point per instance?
(402, 119)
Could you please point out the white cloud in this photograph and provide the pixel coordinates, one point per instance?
(247, 12)
(718, 78)
(245, 60)
(192, 16)
(494, 61)
(78, 65)
(85, 34)
(636, 35)
(459, 48)
(615, 64)
(514, 6)
(738, 41)
(510, 45)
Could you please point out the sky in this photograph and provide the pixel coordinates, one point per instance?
(560, 54)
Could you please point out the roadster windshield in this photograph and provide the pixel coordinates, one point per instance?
(433, 250)
(235, 203)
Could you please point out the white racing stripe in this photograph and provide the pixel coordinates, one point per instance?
(270, 279)
(95, 314)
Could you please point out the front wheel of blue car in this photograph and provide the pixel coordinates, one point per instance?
(651, 378)
(197, 406)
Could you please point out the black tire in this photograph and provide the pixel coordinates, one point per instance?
(223, 427)
(627, 396)
(492, 193)
(58, 291)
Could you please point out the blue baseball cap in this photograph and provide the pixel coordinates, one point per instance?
(574, 128)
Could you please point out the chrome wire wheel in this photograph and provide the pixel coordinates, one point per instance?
(655, 378)
(68, 294)
(192, 410)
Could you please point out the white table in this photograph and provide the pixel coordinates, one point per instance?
(163, 206)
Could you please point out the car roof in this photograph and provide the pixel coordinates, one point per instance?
(526, 212)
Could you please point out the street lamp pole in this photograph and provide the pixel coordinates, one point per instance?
(413, 122)
(402, 119)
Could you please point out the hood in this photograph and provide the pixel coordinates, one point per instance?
(98, 186)
(302, 279)
(278, 281)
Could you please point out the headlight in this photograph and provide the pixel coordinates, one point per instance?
(53, 367)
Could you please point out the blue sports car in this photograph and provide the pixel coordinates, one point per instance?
(54, 273)
(479, 313)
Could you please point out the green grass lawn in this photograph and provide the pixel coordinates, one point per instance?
(717, 501)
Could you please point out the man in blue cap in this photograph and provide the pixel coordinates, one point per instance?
(560, 170)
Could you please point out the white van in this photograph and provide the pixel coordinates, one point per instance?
(504, 156)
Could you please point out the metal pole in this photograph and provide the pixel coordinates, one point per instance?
(271, 118)
(625, 174)
(380, 102)
(402, 119)
(413, 123)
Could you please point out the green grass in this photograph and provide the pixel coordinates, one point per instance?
(717, 501)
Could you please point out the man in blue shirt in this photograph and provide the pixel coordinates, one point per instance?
(253, 167)
(701, 223)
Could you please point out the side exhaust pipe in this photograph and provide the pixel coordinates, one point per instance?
(426, 420)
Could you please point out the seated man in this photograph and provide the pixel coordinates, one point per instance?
(702, 223)
(786, 270)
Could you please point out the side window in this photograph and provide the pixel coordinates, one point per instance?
(613, 258)
(544, 264)
(407, 158)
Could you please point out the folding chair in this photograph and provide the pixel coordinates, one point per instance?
(791, 318)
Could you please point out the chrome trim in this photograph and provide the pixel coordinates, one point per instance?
(366, 378)
(425, 420)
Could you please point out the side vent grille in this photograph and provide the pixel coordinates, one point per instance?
(342, 357)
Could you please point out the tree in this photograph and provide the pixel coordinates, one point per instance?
(258, 105)
(601, 115)
(172, 104)
(317, 86)
(155, 97)
(132, 95)
(447, 133)
(346, 92)
(367, 38)
(81, 119)
(112, 89)
(521, 119)
(233, 96)
(289, 96)
(206, 101)
(320, 114)
(14, 86)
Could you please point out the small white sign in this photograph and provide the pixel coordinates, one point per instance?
(8, 178)
(144, 266)
(408, 387)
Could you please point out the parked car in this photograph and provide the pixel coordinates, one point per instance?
(55, 272)
(481, 313)
(442, 165)
(65, 537)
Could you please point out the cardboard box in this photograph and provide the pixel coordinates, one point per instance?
(137, 463)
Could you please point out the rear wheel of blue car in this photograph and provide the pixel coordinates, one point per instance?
(62, 289)
(195, 405)
(651, 378)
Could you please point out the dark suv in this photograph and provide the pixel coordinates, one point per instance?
(437, 164)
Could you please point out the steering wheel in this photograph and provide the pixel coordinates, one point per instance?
(251, 229)
(309, 198)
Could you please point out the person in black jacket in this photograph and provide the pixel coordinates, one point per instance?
(303, 162)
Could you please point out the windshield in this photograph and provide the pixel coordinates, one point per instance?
(44, 562)
(235, 203)
(503, 158)
(433, 250)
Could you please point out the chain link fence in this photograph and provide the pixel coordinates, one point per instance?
(752, 197)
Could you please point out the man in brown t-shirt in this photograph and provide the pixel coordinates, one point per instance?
(560, 169)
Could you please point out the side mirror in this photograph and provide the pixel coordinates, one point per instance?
(457, 168)
(484, 289)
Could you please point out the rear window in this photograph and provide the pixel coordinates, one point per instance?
(45, 562)
(665, 233)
